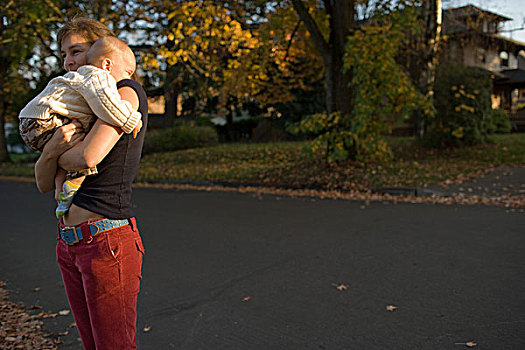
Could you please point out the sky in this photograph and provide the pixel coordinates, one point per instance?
(514, 9)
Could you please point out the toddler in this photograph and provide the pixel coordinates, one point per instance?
(84, 95)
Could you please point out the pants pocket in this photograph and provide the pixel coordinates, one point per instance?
(140, 252)
(140, 246)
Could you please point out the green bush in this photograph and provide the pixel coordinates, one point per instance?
(463, 107)
(179, 137)
(499, 122)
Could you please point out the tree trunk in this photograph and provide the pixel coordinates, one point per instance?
(231, 132)
(170, 109)
(432, 17)
(4, 155)
(341, 19)
(341, 16)
(172, 88)
(433, 39)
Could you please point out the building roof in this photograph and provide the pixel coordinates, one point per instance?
(472, 11)
(514, 41)
(511, 77)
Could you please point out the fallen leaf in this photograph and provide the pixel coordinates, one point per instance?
(37, 289)
(340, 287)
(63, 333)
(146, 329)
(71, 325)
(64, 312)
(391, 307)
(469, 344)
(246, 298)
(19, 329)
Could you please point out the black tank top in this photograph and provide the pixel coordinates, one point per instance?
(109, 192)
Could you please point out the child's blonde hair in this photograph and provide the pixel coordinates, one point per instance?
(107, 46)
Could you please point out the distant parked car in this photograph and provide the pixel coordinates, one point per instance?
(15, 144)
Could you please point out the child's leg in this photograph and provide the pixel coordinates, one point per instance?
(65, 198)
(69, 183)
(60, 178)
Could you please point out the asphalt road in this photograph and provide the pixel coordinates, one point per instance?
(234, 271)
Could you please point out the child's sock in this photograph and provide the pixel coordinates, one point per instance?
(66, 198)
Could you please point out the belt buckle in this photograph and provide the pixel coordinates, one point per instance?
(71, 228)
(98, 229)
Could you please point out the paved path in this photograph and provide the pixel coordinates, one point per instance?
(500, 181)
(232, 271)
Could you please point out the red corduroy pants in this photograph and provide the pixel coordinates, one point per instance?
(102, 279)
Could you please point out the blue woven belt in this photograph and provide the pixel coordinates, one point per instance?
(73, 235)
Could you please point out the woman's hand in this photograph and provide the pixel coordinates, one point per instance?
(63, 139)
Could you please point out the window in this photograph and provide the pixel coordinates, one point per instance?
(481, 55)
(504, 58)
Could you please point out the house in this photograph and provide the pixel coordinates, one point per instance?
(472, 36)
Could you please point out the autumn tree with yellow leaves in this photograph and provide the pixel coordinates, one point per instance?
(223, 56)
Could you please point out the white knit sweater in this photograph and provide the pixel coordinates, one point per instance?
(80, 95)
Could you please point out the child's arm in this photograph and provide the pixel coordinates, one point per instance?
(100, 92)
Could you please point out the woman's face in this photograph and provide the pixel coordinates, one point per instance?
(73, 50)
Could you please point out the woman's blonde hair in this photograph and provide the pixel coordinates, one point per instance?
(88, 28)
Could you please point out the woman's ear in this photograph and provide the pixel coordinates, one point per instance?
(107, 64)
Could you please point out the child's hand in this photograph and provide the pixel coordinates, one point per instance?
(137, 128)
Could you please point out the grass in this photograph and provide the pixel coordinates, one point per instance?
(284, 165)
(21, 165)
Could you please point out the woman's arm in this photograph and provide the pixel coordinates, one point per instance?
(97, 144)
(99, 141)
(63, 139)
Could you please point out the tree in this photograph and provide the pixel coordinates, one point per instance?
(225, 54)
(206, 42)
(28, 57)
(341, 17)
(24, 29)
(382, 92)
(420, 54)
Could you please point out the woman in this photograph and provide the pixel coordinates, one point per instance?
(99, 250)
